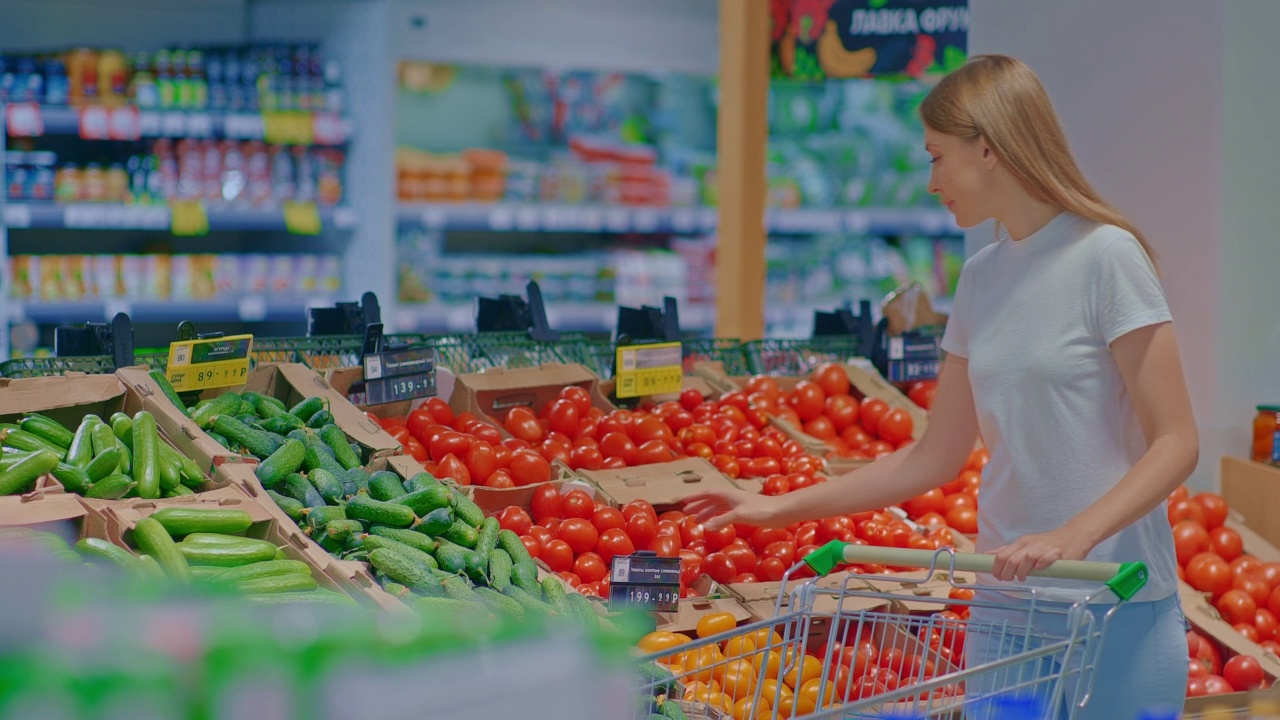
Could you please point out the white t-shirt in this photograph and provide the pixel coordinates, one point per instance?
(1035, 318)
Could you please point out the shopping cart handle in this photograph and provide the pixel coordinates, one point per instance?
(1125, 580)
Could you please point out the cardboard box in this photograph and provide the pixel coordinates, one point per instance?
(661, 484)
(491, 393)
(289, 382)
(1205, 618)
(690, 610)
(47, 502)
(1253, 490)
(494, 500)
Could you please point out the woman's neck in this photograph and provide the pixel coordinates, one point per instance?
(1027, 217)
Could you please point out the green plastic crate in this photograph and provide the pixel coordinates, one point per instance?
(53, 366)
(482, 351)
(797, 357)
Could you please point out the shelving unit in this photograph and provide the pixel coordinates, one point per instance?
(98, 216)
(129, 123)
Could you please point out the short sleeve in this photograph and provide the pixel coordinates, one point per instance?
(955, 339)
(1128, 294)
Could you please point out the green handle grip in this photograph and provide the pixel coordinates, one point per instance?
(1124, 579)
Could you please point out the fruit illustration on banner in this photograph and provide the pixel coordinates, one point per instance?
(839, 62)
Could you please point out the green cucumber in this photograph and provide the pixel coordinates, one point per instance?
(102, 436)
(80, 453)
(292, 508)
(126, 458)
(499, 569)
(362, 507)
(321, 516)
(402, 568)
(74, 479)
(452, 558)
(146, 439)
(268, 407)
(47, 429)
(299, 488)
(318, 455)
(509, 541)
(267, 568)
(217, 538)
(192, 475)
(281, 424)
(178, 491)
(355, 480)
(426, 501)
(27, 442)
(225, 404)
(122, 426)
(112, 487)
(98, 549)
(525, 576)
(459, 589)
(327, 485)
(290, 582)
(499, 603)
(462, 534)
(487, 538)
(151, 538)
(412, 538)
(579, 606)
(258, 443)
(373, 542)
(320, 420)
(552, 590)
(219, 439)
(421, 481)
(531, 604)
(186, 521)
(436, 522)
(340, 530)
(467, 511)
(444, 606)
(288, 459)
(314, 597)
(386, 486)
(169, 471)
(227, 555)
(104, 464)
(26, 471)
(336, 439)
(158, 377)
(305, 409)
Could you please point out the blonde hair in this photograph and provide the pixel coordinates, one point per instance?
(999, 99)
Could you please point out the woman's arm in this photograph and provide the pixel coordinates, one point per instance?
(923, 465)
(1152, 373)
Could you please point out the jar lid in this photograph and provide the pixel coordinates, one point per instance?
(1269, 408)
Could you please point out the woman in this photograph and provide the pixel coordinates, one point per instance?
(1060, 350)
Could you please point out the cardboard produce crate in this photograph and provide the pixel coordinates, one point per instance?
(491, 393)
(342, 380)
(663, 485)
(1205, 618)
(494, 500)
(290, 383)
(1252, 490)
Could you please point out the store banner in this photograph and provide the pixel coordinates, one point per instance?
(817, 40)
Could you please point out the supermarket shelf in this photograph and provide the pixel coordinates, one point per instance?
(251, 308)
(29, 119)
(540, 217)
(585, 317)
(98, 216)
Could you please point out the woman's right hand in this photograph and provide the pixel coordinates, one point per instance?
(718, 508)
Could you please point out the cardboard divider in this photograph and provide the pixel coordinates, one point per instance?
(291, 383)
(47, 501)
(494, 500)
(661, 484)
(490, 394)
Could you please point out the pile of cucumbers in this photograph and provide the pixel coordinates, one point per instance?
(119, 457)
(208, 546)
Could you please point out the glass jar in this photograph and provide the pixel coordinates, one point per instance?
(1266, 424)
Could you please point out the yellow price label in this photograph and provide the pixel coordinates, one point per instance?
(209, 363)
(302, 218)
(642, 370)
(288, 127)
(188, 217)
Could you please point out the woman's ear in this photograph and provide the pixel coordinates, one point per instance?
(989, 158)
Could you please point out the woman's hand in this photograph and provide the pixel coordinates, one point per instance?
(1037, 552)
(719, 508)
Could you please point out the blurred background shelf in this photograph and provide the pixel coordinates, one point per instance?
(98, 216)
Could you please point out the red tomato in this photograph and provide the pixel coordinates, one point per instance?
(528, 468)
(691, 530)
(454, 469)
(416, 450)
(543, 534)
(1243, 673)
(653, 451)
(727, 465)
(922, 393)
(590, 567)
(439, 411)
(449, 443)
(720, 567)
(1237, 606)
(500, 479)
(1273, 602)
(641, 529)
(1215, 685)
(546, 503)
(577, 504)
(842, 410)
(770, 569)
(665, 545)
(533, 545)
(929, 502)
(1224, 541)
(1207, 572)
(690, 568)
(481, 460)
(585, 457)
(515, 519)
(1245, 565)
(608, 519)
(776, 485)
(1267, 624)
(1189, 539)
(1196, 687)
(870, 412)
(690, 399)
(718, 540)
(895, 426)
(762, 537)
(743, 557)
(580, 534)
(639, 507)
(569, 578)
(614, 542)
(783, 550)
(562, 416)
(1185, 509)
(1255, 587)
(523, 424)
(618, 445)
(808, 400)
(578, 397)
(1215, 511)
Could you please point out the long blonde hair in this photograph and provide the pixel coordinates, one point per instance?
(999, 99)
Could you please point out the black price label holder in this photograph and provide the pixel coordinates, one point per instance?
(913, 355)
(398, 373)
(644, 582)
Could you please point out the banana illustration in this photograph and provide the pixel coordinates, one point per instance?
(787, 52)
(839, 62)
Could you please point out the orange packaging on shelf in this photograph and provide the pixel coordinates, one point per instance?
(490, 394)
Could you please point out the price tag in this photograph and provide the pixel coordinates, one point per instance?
(24, 120)
(644, 581)
(95, 123)
(914, 355)
(212, 363)
(401, 374)
(187, 218)
(301, 218)
(173, 124)
(656, 369)
(243, 127)
(288, 127)
(124, 123)
(17, 216)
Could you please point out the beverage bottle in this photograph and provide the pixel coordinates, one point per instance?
(197, 81)
(30, 81)
(283, 176)
(166, 83)
(250, 71)
(332, 86)
(219, 98)
(113, 77)
(143, 90)
(233, 173)
(56, 87)
(184, 96)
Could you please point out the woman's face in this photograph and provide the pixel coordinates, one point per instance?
(962, 176)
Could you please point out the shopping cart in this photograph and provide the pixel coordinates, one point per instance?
(872, 646)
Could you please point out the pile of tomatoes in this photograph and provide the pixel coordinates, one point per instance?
(725, 675)
(954, 504)
(1208, 675)
(824, 407)
(1211, 559)
(577, 538)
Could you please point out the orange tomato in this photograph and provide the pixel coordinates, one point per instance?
(715, 623)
